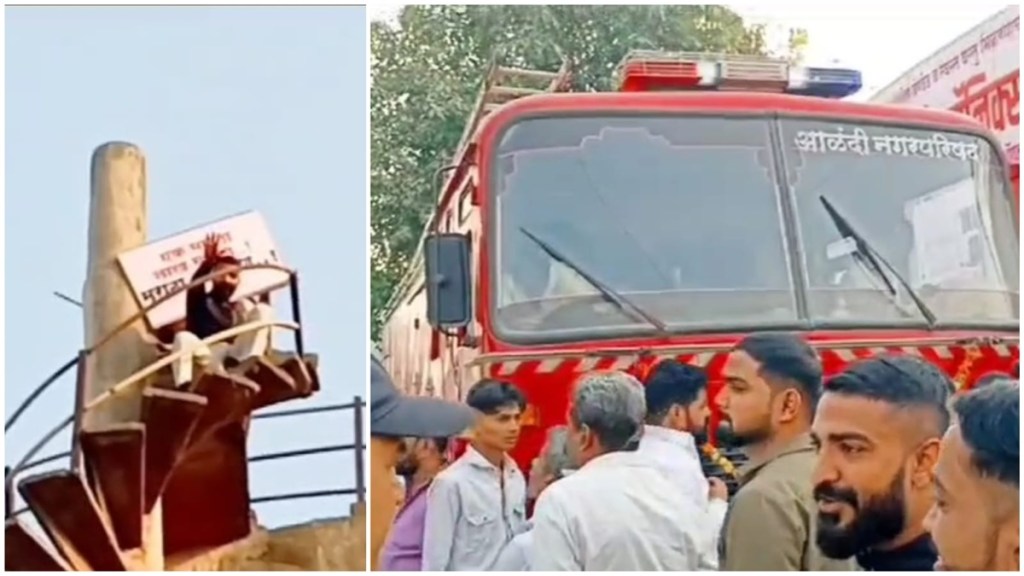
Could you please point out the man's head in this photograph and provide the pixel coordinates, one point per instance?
(224, 287)
(606, 415)
(551, 464)
(772, 384)
(877, 428)
(501, 406)
(677, 398)
(422, 455)
(975, 520)
(393, 418)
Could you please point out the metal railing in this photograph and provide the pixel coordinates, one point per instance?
(357, 447)
(82, 405)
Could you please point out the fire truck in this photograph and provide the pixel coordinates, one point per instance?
(708, 197)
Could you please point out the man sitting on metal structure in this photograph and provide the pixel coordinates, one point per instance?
(209, 313)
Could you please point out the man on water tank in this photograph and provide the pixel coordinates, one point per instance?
(211, 312)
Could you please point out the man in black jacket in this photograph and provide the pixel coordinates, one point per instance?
(878, 428)
(211, 312)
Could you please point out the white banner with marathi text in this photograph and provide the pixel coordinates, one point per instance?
(978, 74)
(166, 265)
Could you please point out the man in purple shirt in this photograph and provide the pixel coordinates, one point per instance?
(403, 550)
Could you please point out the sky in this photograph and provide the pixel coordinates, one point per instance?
(881, 39)
(236, 108)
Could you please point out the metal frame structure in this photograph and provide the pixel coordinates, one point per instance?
(82, 406)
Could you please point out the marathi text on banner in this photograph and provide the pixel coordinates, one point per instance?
(163, 267)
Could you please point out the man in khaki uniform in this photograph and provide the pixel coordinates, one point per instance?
(772, 384)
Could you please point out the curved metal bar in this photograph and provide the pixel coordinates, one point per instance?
(357, 447)
(46, 460)
(20, 466)
(39, 390)
(138, 377)
(142, 374)
(167, 297)
(292, 277)
(170, 358)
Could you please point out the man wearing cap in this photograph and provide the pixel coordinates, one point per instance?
(393, 418)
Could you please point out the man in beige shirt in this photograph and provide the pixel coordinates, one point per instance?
(772, 384)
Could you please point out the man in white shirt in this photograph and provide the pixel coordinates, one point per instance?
(476, 506)
(677, 408)
(617, 512)
(553, 463)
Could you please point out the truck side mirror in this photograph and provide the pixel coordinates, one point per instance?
(446, 257)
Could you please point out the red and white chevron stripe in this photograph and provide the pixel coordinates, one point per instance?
(583, 362)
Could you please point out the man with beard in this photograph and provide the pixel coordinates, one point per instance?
(772, 384)
(477, 505)
(975, 520)
(877, 431)
(393, 419)
(677, 410)
(209, 313)
(423, 460)
(617, 512)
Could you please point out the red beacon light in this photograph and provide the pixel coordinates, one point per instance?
(651, 71)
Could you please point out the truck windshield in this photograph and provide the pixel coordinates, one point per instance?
(932, 204)
(683, 216)
(679, 214)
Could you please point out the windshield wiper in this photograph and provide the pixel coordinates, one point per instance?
(875, 260)
(621, 302)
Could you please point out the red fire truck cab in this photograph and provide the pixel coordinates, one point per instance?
(708, 198)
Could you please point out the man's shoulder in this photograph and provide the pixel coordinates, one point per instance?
(783, 486)
(787, 474)
(557, 494)
(449, 476)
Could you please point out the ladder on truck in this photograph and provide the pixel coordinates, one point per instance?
(504, 84)
(501, 85)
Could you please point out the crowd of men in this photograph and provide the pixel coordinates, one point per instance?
(884, 467)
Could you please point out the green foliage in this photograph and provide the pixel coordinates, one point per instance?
(798, 40)
(426, 71)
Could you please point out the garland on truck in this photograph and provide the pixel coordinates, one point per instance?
(963, 372)
(719, 459)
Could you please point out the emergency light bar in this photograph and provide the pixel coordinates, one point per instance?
(648, 71)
